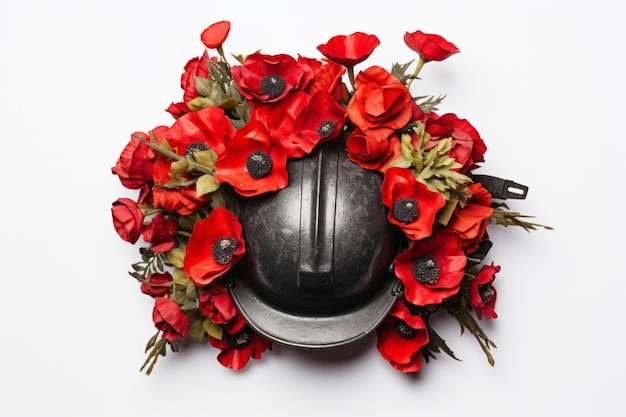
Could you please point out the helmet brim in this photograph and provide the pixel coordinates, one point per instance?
(314, 332)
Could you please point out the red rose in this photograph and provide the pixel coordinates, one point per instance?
(216, 243)
(160, 232)
(431, 270)
(178, 109)
(182, 200)
(401, 338)
(208, 126)
(430, 47)
(134, 166)
(468, 148)
(238, 344)
(373, 150)
(157, 285)
(216, 303)
(470, 222)
(327, 77)
(269, 78)
(214, 36)
(127, 219)
(412, 205)
(380, 101)
(195, 67)
(253, 163)
(482, 293)
(349, 50)
(170, 319)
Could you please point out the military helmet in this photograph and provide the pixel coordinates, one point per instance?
(317, 272)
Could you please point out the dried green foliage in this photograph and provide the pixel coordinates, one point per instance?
(152, 262)
(432, 165)
(157, 347)
(429, 103)
(436, 344)
(459, 307)
(513, 218)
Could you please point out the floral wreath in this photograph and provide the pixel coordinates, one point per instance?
(235, 130)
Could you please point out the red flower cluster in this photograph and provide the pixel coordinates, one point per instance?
(234, 131)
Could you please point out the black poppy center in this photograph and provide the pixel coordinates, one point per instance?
(194, 147)
(223, 250)
(273, 85)
(426, 270)
(405, 210)
(239, 340)
(326, 128)
(405, 330)
(486, 292)
(259, 164)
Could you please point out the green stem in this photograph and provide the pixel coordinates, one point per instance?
(158, 148)
(418, 68)
(173, 155)
(351, 77)
(220, 51)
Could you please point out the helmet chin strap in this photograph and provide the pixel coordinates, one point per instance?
(502, 189)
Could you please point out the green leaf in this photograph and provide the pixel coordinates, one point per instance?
(199, 103)
(205, 158)
(437, 344)
(179, 167)
(206, 184)
(151, 342)
(196, 328)
(203, 86)
(429, 103)
(176, 256)
(213, 329)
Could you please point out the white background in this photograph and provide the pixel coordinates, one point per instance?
(543, 81)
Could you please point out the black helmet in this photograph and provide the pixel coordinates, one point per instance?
(318, 266)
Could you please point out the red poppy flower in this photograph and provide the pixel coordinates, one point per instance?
(431, 269)
(349, 50)
(412, 205)
(470, 222)
(280, 118)
(322, 120)
(430, 47)
(182, 200)
(127, 219)
(157, 285)
(468, 148)
(216, 243)
(214, 36)
(208, 126)
(374, 149)
(238, 344)
(269, 78)
(299, 122)
(253, 163)
(401, 338)
(170, 319)
(380, 101)
(482, 294)
(160, 232)
(216, 303)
